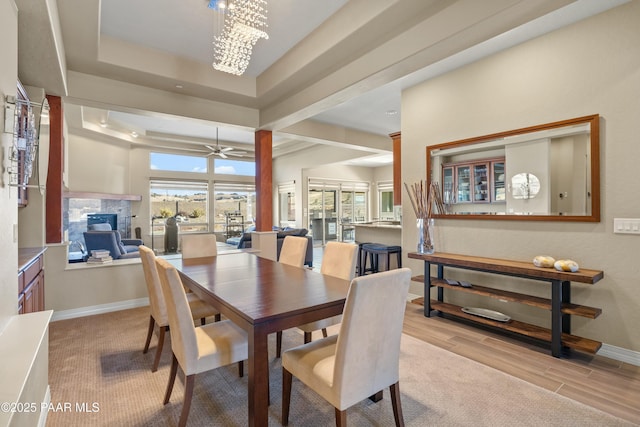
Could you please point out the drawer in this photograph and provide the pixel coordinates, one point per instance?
(32, 270)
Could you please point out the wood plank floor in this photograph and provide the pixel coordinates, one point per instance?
(600, 382)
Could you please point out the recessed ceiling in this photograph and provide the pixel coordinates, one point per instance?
(330, 35)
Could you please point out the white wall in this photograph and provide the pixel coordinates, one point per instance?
(8, 195)
(587, 68)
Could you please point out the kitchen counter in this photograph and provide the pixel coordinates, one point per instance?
(27, 255)
(385, 232)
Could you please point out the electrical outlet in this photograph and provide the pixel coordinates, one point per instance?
(626, 225)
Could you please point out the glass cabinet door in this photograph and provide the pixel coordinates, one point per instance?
(448, 190)
(463, 178)
(498, 189)
(481, 183)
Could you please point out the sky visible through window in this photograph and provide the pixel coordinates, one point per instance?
(178, 163)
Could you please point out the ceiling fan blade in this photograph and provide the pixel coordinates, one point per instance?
(210, 147)
(221, 154)
(225, 149)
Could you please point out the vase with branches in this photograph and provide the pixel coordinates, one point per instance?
(423, 199)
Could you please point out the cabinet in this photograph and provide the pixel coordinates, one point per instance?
(474, 182)
(234, 224)
(559, 304)
(30, 280)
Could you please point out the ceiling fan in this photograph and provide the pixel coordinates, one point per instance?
(223, 152)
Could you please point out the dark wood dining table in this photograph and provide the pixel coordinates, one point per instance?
(262, 296)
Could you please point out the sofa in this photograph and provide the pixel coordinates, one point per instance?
(101, 236)
(244, 241)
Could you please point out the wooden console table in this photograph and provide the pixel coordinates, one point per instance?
(559, 304)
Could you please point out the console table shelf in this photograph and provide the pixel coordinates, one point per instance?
(559, 304)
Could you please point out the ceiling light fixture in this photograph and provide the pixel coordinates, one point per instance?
(245, 22)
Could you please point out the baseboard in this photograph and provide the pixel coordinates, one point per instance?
(620, 354)
(42, 421)
(99, 309)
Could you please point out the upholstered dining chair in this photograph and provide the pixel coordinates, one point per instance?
(364, 357)
(339, 260)
(159, 316)
(199, 349)
(199, 245)
(294, 249)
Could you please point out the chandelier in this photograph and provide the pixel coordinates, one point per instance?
(245, 22)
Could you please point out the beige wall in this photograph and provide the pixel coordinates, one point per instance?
(8, 195)
(590, 67)
(98, 166)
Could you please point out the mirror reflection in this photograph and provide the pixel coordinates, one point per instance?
(545, 172)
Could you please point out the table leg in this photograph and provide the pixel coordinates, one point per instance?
(556, 318)
(427, 289)
(258, 378)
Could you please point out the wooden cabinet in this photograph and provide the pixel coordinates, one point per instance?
(479, 181)
(559, 304)
(30, 280)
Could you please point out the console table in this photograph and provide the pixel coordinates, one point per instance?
(559, 304)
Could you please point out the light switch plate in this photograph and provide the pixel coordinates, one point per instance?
(626, 225)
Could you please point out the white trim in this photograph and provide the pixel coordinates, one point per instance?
(99, 309)
(620, 354)
(42, 421)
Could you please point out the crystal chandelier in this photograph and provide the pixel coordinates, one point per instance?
(245, 22)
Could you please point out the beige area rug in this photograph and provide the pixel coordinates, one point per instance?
(98, 372)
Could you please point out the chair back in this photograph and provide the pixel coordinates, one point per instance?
(183, 334)
(294, 250)
(104, 239)
(368, 346)
(199, 245)
(339, 260)
(154, 288)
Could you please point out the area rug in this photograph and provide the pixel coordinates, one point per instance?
(98, 372)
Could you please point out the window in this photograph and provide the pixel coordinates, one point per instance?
(287, 197)
(385, 197)
(177, 163)
(186, 200)
(233, 198)
(234, 167)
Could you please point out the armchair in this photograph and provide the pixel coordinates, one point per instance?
(100, 237)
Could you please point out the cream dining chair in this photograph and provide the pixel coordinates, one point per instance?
(338, 260)
(364, 357)
(199, 308)
(198, 349)
(294, 250)
(198, 245)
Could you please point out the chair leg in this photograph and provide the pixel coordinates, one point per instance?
(307, 337)
(152, 323)
(188, 394)
(397, 405)
(156, 361)
(172, 379)
(341, 418)
(217, 317)
(278, 344)
(324, 333)
(241, 369)
(203, 321)
(286, 395)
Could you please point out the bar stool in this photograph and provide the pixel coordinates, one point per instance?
(373, 252)
(362, 259)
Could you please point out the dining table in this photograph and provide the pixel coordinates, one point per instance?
(262, 296)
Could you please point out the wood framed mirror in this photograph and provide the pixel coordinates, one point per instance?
(548, 172)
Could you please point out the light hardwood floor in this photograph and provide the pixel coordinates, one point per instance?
(600, 382)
